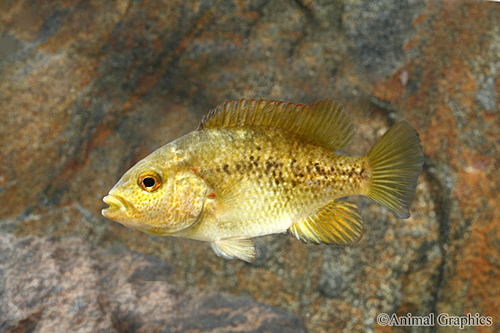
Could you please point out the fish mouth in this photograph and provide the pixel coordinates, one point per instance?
(116, 205)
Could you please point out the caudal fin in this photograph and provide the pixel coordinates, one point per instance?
(395, 162)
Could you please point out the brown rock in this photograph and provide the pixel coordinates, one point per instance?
(89, 88)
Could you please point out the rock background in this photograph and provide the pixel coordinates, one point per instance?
(68, 285)
(88, 88)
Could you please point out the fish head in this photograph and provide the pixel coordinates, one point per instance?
(156, 197)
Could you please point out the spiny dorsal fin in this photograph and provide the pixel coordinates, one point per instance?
(325, 123)
(338, 223)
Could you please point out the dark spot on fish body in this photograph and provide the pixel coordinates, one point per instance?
(226, 169)
(317, 168)
(258, 148)
(238, 167)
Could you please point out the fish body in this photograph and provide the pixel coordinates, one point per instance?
(273, 187)
(259, 168)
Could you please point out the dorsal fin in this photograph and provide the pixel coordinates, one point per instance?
(324, 123)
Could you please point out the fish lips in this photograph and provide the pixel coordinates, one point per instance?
(117, 207)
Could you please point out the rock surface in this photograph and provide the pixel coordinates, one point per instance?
(89, 88)
(51, 285)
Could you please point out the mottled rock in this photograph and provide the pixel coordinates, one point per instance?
(89, 88)
(68, 285)
(377, 33)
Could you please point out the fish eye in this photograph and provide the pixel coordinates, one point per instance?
(149, 181)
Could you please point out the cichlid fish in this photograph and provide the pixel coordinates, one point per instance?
(254, 168)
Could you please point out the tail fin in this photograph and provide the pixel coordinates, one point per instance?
(395, 162)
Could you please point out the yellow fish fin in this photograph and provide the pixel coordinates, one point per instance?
(236, 201)
(395, 163)
(325, 123)
(338, 223)
(235, 248)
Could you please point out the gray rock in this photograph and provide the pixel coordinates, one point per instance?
(377, 31)
(69, 285)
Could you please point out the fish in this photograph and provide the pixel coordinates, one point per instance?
(256, 167)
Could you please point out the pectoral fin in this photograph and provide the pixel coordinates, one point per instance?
(235, 248)
(338, 223)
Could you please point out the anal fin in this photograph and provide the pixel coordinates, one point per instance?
(235, 248)
(337, 223)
